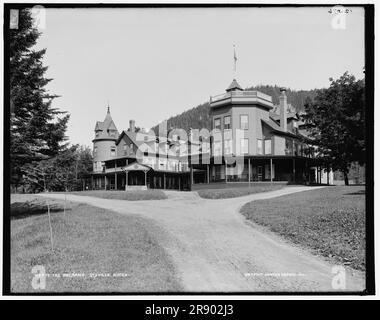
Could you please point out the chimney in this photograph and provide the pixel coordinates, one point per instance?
(283, 107)
(132, 125)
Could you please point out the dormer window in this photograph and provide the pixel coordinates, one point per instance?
(113, 151)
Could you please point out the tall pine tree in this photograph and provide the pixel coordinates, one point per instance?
(37, 129)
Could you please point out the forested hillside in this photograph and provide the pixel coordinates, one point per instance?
(198, 117)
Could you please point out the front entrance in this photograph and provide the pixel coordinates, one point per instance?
(259, 173)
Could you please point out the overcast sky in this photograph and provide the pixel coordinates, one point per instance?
(151, 64)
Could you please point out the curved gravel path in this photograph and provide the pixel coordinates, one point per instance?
(215, 249)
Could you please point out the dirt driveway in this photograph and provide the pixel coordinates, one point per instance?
(216, 250)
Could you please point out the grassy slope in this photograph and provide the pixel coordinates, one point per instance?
(237, 191)
(132, 195)
(90, 240)
(330, 221)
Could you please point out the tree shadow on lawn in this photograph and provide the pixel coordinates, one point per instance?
(360, 192)
(20, 210)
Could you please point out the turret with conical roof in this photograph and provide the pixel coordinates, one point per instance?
(106, 135)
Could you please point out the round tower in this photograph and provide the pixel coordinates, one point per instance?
(104, 147)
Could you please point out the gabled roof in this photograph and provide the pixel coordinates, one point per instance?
(289, 115)
(135, 166)
(99, 126)
(234, 86)
(277, 129)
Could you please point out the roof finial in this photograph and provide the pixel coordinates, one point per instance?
(108, 106)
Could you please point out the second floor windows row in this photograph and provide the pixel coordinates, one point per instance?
(227, 122)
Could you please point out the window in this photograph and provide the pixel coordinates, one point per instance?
(227, 122)
(95, 151)
(131, 148)
(113, 151)
(259, 146)
(268, 146)
(244, 146)
(244, 121)
(217, 148)
(228, 146)
(217, 123)
(288, 146)
(296, 148)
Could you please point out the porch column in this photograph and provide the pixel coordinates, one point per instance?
(145, 177)
(115, 177)
(92, 182)
(179, 182)
(105, 182)
(249, 170)
(164, 181)
(225, 166)
(208, 173)
(271, 170)
(191, 177)
(294, 170)
(126, 180)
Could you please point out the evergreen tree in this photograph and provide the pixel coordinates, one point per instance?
(37, 130)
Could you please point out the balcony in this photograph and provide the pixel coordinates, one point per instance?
(241, 97)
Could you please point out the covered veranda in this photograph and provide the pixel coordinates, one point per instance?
(290, 169)
(139, 176)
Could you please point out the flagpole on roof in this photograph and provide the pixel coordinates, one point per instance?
(235, 60)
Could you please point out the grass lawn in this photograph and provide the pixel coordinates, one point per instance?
(330, 221)
(131, 195)
(120, 250)
(233, 192)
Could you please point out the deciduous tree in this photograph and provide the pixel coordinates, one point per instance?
(336, 121)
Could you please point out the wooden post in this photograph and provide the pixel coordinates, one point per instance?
(225, 166)
(64, 206)
(164, 181)
(249, 171)
(208, 173)
(191, 177)
(51, 229)
(271, 170)
(115, 177)
(145, 178)
(126, 180)
(105, 182)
